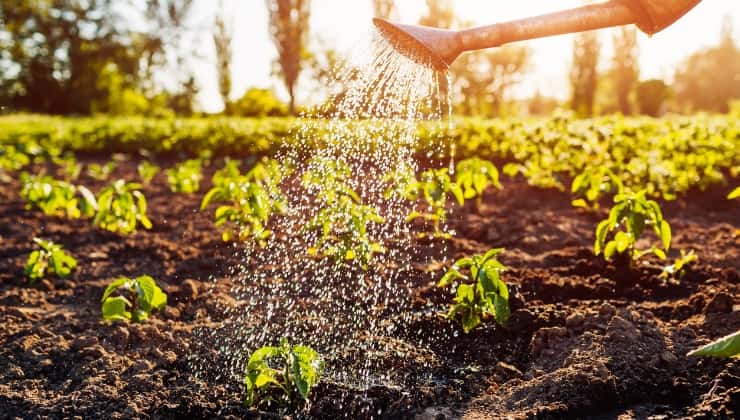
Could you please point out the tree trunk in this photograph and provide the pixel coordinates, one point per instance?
(291, 108)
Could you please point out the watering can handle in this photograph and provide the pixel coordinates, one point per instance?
(650, 16)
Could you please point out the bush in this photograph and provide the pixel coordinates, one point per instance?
(258, 103)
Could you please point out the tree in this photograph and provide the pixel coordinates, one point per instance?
(289, 30)
(482, 80)
(625, 71)
(708, 80)
(440, 14)
(259, 103)
(383, 8)
(651, 95)
(584, 73)
(55, 51)
(182, 101)
(333, 75)
(541, 105)
(222, 41)
(169, 45)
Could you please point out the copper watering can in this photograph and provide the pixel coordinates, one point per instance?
(438, 48)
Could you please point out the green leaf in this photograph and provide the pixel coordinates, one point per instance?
(623, 241)
(458, 194)
(659, 253)
(159, 300)
(306, 368)
(451, 275)
(145, 286)
(470, 320)
(490, 254)
(465, 293)
(264, 378)
(261, 355)
(463, 262)
(501, 308)
(489, 280)
(727, 346)
(734, 194)
(609, 250)
(511, 169)
(665, 234)
(601, 231)
(114, 309)
(580, 203)
(210, 195)
(112, 287)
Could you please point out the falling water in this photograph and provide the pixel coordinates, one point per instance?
(352, 316)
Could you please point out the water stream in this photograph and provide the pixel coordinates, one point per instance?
(353, 316)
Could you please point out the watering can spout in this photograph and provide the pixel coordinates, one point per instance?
(438, 48)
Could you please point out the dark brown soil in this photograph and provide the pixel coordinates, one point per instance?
(586, 338)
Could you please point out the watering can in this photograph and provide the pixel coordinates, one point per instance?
(438, 48)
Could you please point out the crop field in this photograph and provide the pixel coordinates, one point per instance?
(540, 268)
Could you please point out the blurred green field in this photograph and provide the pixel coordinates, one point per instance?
(667, 156)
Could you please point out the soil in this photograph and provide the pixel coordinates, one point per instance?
(586, 338)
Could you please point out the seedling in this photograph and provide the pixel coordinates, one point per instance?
(343, 221)
(50, 259)
(474, 175)
(434, 186)
(401, 183)
(480, 294)
(147, 171)
(70, 167)
(288, 371)
(343, 231)
(185, 177)
(228, 172)
(270, 173)
(12, 158)
(727, 346)
(57, 198)
(628, 218)
(329, 179)
(136, 301)
(592, 184)
(249, 209)
(101, 172)
(121, 207)
(678, 268)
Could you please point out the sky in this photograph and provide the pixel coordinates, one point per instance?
(345, 23)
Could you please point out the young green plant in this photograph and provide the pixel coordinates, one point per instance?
(147, 171)
(121, 206)
(480, 294)
(50, 259)
(473, 176)
(631, 214)
(101, 172)
(592, 184)
(185, 177)
(343, 222)
(57, 198)
(136, 300)
(678, 268)
(285, 370)
(70, 167)
(434, 186)
(248, 208)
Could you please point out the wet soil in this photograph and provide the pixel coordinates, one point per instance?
(586, 338)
